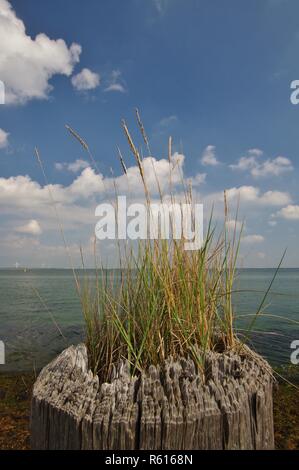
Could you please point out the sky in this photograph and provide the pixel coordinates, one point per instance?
(214, 75)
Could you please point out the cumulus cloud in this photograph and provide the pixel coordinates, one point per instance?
(290, 212)
(275, 167)
(116, 87)
(27, 64)
(198, 179)
(154, 171)
(3, 139)
(22, 191)
(73, 167)
(249, 161)
(116, 83)
(257, 168)
(250, 239)
(88, 184)
(252, 194)
(209, 156)
(255, 152)
(22, 197)
(85, 80)
(32, 228)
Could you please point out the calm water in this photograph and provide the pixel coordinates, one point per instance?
(29, 301)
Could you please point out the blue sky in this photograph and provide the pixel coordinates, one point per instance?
(215, 75)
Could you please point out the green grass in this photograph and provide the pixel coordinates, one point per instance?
(169, 301)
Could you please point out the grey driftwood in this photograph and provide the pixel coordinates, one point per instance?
(167, 407)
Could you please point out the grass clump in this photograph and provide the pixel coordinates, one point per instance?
(163, 301)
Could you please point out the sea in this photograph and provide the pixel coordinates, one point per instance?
(40, 314)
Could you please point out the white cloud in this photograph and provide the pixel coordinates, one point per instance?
(116, 83)
(27, 64)
(245, 163)
(116, 87)
(252, 194)
(270, 167)
(256, 152)
(275, 198)
(275, 167)
(86, 80)
(290, 212)
(32, 228)
(154, 170)
(21, 191)
(74, 167)
(250, 239)
(209, 157)
(20, 197)
(87, 184)
(198, 179)
(3, 139)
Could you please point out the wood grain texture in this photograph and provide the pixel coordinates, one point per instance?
(168, 407)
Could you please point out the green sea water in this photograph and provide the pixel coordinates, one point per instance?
(34, 302)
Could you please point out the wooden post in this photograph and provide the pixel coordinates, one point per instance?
(169, 406)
